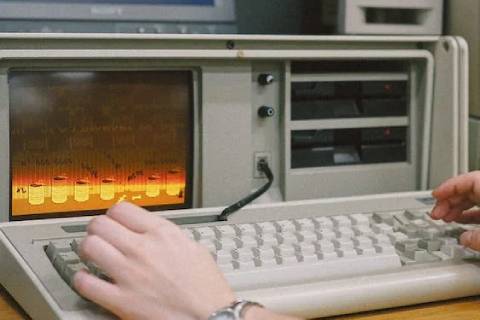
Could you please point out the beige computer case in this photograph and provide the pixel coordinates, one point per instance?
(229, 133)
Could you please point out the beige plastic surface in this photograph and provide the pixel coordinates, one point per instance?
(424, 17)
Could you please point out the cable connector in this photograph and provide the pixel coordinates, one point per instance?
(262, 166)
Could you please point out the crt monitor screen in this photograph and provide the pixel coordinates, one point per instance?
(80, 141)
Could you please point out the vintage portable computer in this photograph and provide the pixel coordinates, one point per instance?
(356, 130)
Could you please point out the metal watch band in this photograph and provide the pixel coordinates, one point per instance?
(236, 310)
(242, 306)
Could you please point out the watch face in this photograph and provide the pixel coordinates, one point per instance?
(224, 315)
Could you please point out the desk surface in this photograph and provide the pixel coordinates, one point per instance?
(463, 309)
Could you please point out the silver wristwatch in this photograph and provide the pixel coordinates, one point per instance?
(235, 311)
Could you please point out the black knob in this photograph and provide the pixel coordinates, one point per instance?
(266, 112)
(266, 79)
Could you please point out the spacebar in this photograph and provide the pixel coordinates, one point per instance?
(307, 272)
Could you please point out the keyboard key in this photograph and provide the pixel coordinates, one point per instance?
(347, 252)
(243, 254)
(323, 223)
(305, 224)
(407, 245)
(326, 234)
(341, 221)
(224, 257)
(266, 227)
(308, 258)
(366, 250)
(430, 245)
(401, 219)
(307, 235)
(288, 237)
(286, 226)
(345, 232)
(229, 244)
(245, 229)
(411, 231)
(384, 217)
(75, 245)
(385, 248)
(307, 249)
(363, 230)
(362, 240)
(285, 250)
(343, 243)
(421, 256)
(56, 247)
(397, 236)
(448, 241)
(382, 228)
(328, 255)
(227, 231)
(415, 214)
(420, 223)
(381, 238)
(325, 246)
(248, 241)
(430, 233)
(268, 240)
(266, 256)
(204, 233)
(289, 260)
(64, 258)
(359, 219)
(69, 272)
(442, 256)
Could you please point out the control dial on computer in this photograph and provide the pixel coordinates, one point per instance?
(266, 112)
(266, 79)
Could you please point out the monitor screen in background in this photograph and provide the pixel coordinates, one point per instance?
(82, 141)
(135, 2)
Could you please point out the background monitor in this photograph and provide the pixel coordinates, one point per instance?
(122, 16)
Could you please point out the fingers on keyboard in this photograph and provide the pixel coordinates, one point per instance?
(114, 233)
(471, 216)
(103, 254)
(135, 218)
(471, 239)
(461, 184)
(97, 290)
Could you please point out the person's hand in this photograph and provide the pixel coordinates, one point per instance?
(454, 199)
(157, 272)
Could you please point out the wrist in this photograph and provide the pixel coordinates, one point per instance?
(235, 311)
(205, 311)
(255, 313)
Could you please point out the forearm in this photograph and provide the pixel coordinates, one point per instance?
(257, 313)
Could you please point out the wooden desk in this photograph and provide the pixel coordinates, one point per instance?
(463, 309)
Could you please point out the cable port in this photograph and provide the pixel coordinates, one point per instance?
(258, 157)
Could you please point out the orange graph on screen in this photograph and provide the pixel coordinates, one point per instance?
(98, 138)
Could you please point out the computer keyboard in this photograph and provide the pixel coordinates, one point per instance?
(309, 258)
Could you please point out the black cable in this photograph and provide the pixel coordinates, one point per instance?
(263, 167)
